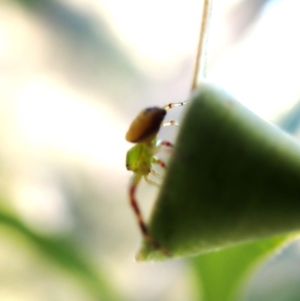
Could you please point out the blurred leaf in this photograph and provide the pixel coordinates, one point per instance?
(232, 178)
(220, 274)
(290, 120)
(66, 255)
(277, 279)
(85, 49)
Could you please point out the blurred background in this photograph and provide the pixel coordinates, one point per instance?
(73, 75)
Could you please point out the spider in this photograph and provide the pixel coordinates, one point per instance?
(140, 158)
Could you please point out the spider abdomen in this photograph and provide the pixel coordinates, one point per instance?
(145, 126)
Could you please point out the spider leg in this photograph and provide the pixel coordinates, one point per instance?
(176, 104)
(156, 174)
(171, 106)
(159, 143)
(171, 122)
(151, 181)
(145, 232)
(164, 143)
(159, 162)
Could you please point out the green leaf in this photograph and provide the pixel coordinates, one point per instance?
(65, 255)
(232, 178)
(219, 275)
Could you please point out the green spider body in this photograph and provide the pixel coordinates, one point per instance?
(139, 157)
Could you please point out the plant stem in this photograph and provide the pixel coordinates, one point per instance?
(200, 63)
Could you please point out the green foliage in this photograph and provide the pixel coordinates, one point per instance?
(220, 274)
(64, 254)
(233, 178)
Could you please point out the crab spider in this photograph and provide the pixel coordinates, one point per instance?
(140, 158)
